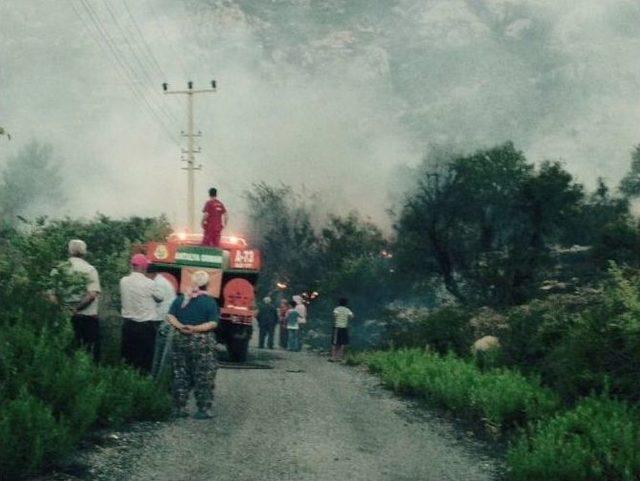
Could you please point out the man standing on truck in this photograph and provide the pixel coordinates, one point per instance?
(214, 219)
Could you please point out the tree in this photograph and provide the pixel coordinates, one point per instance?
(356, 263)
(280, 226)
(630, 183)
(340, 256)
(30, 181)
(484, 222)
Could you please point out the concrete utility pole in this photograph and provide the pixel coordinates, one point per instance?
(190, 151)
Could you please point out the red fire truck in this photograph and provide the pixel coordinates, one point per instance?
(233, 269)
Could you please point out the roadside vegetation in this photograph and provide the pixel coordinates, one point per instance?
(489, 244)
(484, 244)
(52, 394)
(500, 398)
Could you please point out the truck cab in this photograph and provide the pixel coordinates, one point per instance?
(233, 269)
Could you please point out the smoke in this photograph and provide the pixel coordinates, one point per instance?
(333, 96)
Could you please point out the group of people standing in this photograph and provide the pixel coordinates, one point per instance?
(288, 317)
(153, 311)
(149, 305)
(291, 315)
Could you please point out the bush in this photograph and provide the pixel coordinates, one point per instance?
(64, 381)
(51, 395)
(127, 396)
(534, 330)
(598, 440)
(30, 437)
(507, 398)
(502, 398)
(601, 348)
(445, 329)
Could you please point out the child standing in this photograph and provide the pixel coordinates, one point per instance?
(341, 316)
(293, 327)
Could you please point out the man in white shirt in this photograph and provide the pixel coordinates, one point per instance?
(140, 297)
(84, 319)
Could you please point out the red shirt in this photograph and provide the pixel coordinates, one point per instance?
(215, 210)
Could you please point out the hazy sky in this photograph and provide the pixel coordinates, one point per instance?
(332, 95)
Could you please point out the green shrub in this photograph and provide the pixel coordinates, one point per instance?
(60, 397)
(598, 440)
(30, 437)
(65, 382)
(51, 395)
(127, 396)
(601, 350)
(503, 398)
(445, 329)
(534, 330)
(507, 398)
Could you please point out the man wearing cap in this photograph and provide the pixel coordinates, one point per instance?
(267, 321)
(194, 315)
(139, 296)
(214, 219)
(85, 322)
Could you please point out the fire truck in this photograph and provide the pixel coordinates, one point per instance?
(233, 269)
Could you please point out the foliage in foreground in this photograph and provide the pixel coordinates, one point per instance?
(51, 395)
(501, 398)
(583, 343)
(443, 330)
(598, 440)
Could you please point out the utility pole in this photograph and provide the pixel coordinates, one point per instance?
(191, 150)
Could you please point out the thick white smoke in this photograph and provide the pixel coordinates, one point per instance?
(331, 96)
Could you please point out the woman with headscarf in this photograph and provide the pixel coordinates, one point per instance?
(194, 315)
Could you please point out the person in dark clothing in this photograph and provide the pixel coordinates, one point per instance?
(267, 321)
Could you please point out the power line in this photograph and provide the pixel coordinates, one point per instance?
(122, 67)
(143, 40)
(144, 69)
(163, 32)
(126, 68)
(154, 60)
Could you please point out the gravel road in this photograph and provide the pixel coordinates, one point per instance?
(306, 419)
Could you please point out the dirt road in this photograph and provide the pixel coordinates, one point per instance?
(305, 419)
